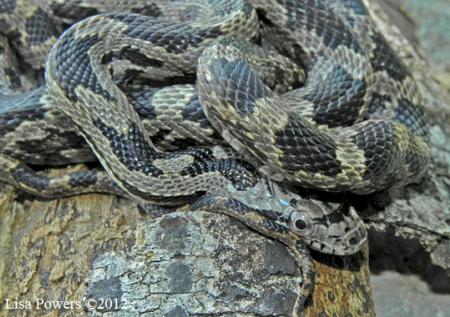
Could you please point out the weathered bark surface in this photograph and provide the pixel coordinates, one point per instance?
(181, 264)
(199, 263)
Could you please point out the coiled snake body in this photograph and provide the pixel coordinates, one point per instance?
(356, 124)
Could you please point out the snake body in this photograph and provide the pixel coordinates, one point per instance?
(362, 158)
(346, 129)
(347, 81)
(356, 124)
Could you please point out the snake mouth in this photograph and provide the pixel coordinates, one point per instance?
(354, 240)
(348, 245)
(345, 238)
(351, 243)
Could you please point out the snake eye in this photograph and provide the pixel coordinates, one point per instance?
(301, 224)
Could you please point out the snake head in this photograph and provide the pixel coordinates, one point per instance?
(331, 228)
(326, 228)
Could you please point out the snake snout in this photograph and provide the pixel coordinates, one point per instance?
(348, 244)
(354, 241)
(355, 234)
(329, 230)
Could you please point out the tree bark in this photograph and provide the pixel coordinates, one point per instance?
(98, 247)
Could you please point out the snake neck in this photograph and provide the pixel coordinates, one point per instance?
(265, 195)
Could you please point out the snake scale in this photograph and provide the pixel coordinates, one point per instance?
(236, 76)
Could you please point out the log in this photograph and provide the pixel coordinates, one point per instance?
(103, 249)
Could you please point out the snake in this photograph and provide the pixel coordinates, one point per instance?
(355, 124)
